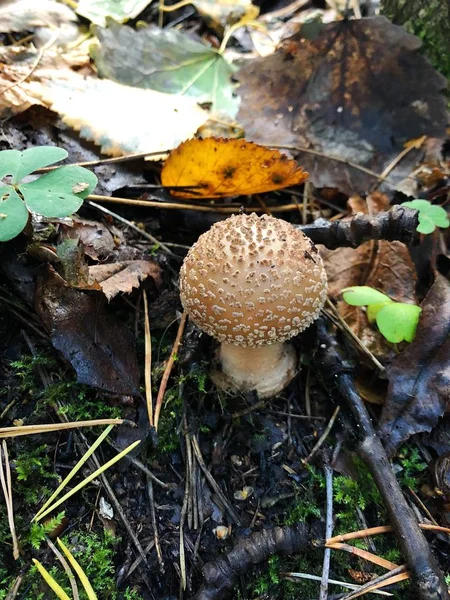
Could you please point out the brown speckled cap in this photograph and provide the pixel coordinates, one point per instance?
(252, 281)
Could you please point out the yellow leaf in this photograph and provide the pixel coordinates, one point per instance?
(228, 167)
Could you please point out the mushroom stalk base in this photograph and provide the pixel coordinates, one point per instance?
(266, 369)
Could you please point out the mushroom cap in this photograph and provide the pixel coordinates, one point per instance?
(252, 281)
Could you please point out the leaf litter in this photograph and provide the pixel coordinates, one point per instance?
(336, 89)
(92, 106)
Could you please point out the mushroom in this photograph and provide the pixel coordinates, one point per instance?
(253, 283)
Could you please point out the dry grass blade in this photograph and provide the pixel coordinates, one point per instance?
(14, 590)
(229, 210)
(355, 535)
(324, 435)
(394, 576)
(168, 369)
(373, 558)
(351, 586)
(92, 476)
(5, 478)
(74, 471)
(148, 362)
(339, 321)
(8, 432)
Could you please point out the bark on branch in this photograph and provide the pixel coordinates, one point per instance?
(222, 574)
(398, 224)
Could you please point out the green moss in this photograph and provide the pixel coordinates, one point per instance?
(33, 467)
(309, 497)
(429, 20)
(413, 467)
(95, 553)
(79, 402)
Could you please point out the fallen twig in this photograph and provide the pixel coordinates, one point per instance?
(222, 574)
(425, 572)
(398, 224)
(212, 482)
(328, 531)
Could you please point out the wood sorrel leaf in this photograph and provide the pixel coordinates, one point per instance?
(398, 321)
(37, 158)
(363, 295)
(13, 214)
(59, 193)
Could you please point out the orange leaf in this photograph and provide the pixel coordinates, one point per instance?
(228, 167)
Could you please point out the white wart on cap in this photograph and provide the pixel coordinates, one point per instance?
(253, 282)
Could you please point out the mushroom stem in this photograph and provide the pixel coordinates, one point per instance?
(267, 369)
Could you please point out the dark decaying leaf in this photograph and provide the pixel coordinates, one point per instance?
(419, 378)
(357, 90)
(95, 238)
(99, 347)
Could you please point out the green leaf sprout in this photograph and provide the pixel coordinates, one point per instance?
(396, 321)
(430, 215)
(58, 193)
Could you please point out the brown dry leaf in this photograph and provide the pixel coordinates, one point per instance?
(122, 277)
(386, 266)
(99, 347)
(121, 119)
(227, 167)
(14, 99)
(226, 12)
(356, 90)
(95, 238)
(361, 577)
(20, 65)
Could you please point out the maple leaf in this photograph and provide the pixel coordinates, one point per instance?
(168, 61)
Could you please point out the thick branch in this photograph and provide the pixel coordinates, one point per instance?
(398, 224)
(222, 574)
(425, 572)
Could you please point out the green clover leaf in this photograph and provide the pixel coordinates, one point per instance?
(363, 295)
(398, 321)
(430, 215)
(58, 193)
(13, 214)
